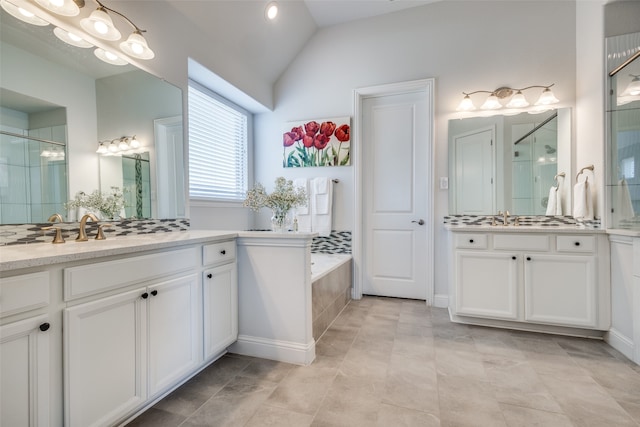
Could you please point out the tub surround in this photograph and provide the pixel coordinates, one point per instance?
(331, 282)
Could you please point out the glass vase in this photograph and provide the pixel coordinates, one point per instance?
(281, 220)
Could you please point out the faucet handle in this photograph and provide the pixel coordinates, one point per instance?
(100, 235)
(58, 237)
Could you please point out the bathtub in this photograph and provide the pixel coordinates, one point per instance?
(331, 280)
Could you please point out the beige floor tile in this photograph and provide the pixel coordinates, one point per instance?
(468, 402)
(459, 363)
(517, 416)
(412, 384)
(395, 416)
(267, 416)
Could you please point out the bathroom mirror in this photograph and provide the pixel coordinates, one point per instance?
(510, 163)
(93, 94)
(623, 139)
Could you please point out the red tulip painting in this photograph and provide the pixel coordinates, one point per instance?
(311, 143)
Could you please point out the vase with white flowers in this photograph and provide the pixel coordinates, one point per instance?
(281, 200)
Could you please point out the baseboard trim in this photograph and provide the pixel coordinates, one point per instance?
(281, 351)
(620, 342)
(441, 300)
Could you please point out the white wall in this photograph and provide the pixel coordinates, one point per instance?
(488, 45)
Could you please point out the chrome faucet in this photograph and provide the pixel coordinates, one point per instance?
(54, 217)
(82, 234)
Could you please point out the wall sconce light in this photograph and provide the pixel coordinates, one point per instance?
(119, 146)
(517, 100)
(99, 25)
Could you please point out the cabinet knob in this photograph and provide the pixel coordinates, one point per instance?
(470, 240)
(577, 243)
(209, 276)
(145, 295)
(514, 257)
(528, 258)
(223, 252)
(154, 292)
(45, 327)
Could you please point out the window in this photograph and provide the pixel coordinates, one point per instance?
(218, 139)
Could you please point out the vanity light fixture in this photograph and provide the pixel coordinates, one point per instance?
(15, 9)
(71, 38)
(98, 24)
(109, 57)
(517, 100)
(118, 146)
(61, 7)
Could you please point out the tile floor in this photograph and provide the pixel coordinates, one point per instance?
(393, 362)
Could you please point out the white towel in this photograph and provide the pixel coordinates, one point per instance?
(303, 213)
(624, 207)
(582, 204)
(554, 203)
(321, 204)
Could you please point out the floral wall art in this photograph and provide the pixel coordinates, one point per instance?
(310, 143)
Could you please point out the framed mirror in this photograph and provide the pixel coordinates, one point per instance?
(510, 163)
(102, 102)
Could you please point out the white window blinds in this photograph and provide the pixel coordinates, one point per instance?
(218, 137)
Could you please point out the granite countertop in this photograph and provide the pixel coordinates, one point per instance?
(15, 257)
(555, 228)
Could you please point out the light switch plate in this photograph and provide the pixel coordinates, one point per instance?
(444, 182)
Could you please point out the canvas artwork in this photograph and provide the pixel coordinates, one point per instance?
(309, 143)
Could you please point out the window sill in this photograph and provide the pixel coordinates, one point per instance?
(200, 203)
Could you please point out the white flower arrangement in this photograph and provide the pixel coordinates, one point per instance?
(109, 205)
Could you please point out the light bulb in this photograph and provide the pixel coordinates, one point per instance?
(466, 104)
(60, 7)
(518, 101)
(101, 27)
(71, 38)
(22, 14)
(134, 143)
(99, 24)
(271, 11)
(113, 148)
(547, 98)
(137, 46)
(491, 103)
(123, 146)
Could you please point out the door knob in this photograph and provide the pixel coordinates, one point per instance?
(419, 222)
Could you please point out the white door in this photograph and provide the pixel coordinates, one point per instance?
(473, 172)
(220, 290)
(395, 145)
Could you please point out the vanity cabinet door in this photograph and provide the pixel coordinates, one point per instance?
(220, 290)
(173, 331)
(560, 290)
(105, 354)
(487, 284)
(24, 364)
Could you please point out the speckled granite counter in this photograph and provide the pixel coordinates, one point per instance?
(25, 256)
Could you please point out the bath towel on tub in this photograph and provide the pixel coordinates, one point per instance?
(321, 202)
(303, 213)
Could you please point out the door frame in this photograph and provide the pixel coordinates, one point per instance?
(359, 95)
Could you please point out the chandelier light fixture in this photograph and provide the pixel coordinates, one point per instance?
(516, 99)
(119, 146)
(86, 32)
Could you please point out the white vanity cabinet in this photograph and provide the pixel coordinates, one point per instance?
(129, 347)
(220, 297)
(540, 279)
(25, 351)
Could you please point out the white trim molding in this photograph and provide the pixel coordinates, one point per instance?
(282, 351)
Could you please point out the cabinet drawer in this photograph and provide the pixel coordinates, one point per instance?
(576, 243)
(24, 293)
(475, 241)
(91, 279)
(219, 253)
(521, 242)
